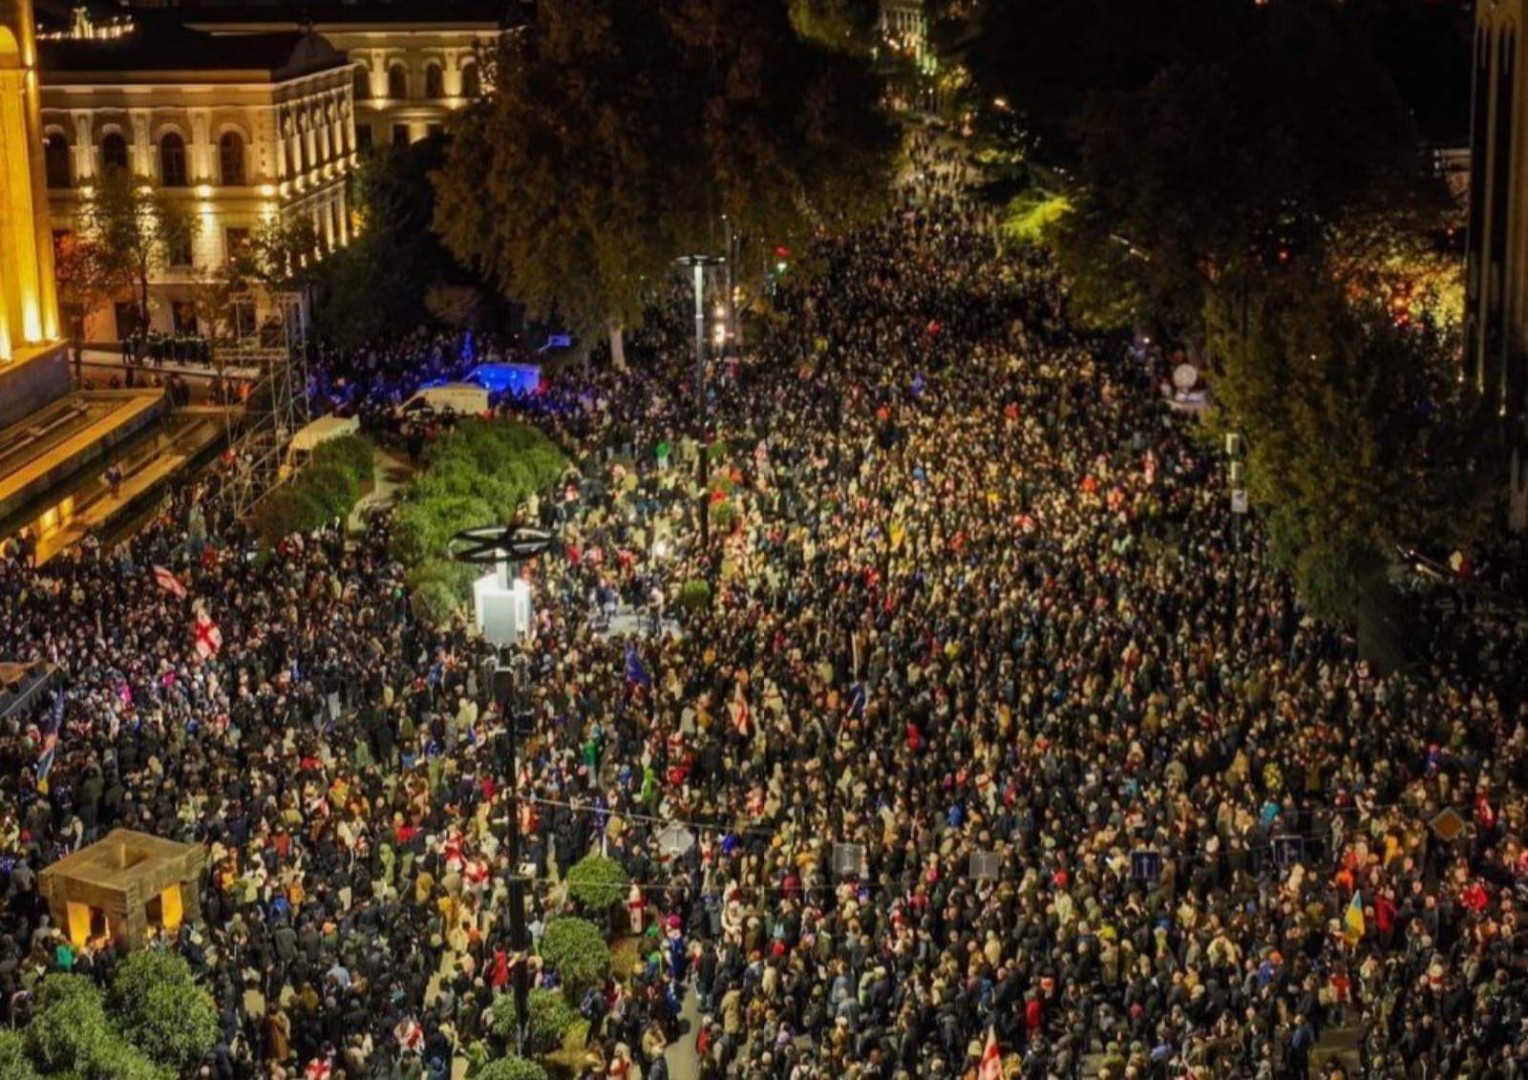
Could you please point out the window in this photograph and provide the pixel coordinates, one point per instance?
(172, 160)
(472, 81)
(231, 158)
(178, 248)
(434, 131)
(363, 137)
(236, 240)
(56, 161)
(362, 84)
(114, 151)
(400, 134)
(434, 82)
(397, 82)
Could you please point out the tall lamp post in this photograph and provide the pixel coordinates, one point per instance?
(698, 265)
(502, 547)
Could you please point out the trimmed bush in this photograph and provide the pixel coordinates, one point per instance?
(328, 487)
(14, 1063)
(598, 882)
(551, 1019)
(70, 1034)
(161, 1010)
(576, 950)
(478, 474)
(695, 595)
(511, 1068)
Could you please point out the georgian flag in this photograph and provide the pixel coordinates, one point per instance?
(992, 1061)
(169, 582)
(209, 639)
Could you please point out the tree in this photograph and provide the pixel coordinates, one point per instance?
(617, 135)
(85, 281)
(1358, 433)
(161, 1010)
(70, 1035)
(377, 285)
(576, 950)
(846, 25)
(138, 230)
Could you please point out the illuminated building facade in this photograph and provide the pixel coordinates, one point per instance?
(1496, 271)
(243, 129)
(415, 63)
(28, 307)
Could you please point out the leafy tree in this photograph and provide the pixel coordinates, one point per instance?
(70, 1034)
(511, 1068)
(138, 230)
(1357, 432)
(85, 279)
(576, 950)
(598, 882)
(161, 1010)
(378, 284)
(551, 1019)
(846, 25)
(616, 135)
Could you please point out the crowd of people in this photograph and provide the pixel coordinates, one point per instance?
(997, 725)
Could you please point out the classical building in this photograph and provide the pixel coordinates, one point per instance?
(415, 62)
(241, 129)
(28, 309)
(1496, 272)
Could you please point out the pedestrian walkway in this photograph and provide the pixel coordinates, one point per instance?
(683, 1062)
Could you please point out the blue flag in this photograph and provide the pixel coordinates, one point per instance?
(636, 673)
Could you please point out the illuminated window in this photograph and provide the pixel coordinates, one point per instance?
(172, 160)
(114, 152)
(397, 82)
(472, 81)
(231, 158)
(56, 162)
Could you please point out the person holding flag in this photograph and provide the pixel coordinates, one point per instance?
(1353, 919)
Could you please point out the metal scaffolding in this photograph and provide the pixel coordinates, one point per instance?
(277, 407)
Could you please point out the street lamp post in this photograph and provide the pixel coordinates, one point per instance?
(501, 547)
(698, 264)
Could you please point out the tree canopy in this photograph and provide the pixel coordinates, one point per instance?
(617, 135)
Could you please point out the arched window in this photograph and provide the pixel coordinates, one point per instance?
(362, 84)
(434, 82)
(56, 161)
(397, 82)
(172, 160)
(114, 151)
(231, 158)
(472, 81)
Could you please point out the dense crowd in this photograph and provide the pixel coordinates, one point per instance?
(976, 591)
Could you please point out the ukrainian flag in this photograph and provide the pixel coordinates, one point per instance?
(1353, 919)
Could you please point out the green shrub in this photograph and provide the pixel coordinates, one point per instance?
(511, 1068)
(695, 595)
(724, 515)
(598, 882)
(325, 489)
(576, 950)
(14, 1063)
(353, 453)
(551, 1019)
(161, 1010)
(439, 588)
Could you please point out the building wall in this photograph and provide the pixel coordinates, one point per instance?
(298, 150)
(28, 306)
(427, 101)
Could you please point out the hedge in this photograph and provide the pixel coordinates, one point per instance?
(552, 1017)
(695, 595)
(478, 474)
(510, 1068)
(326, 488)
(576, 950)
(598, 882)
